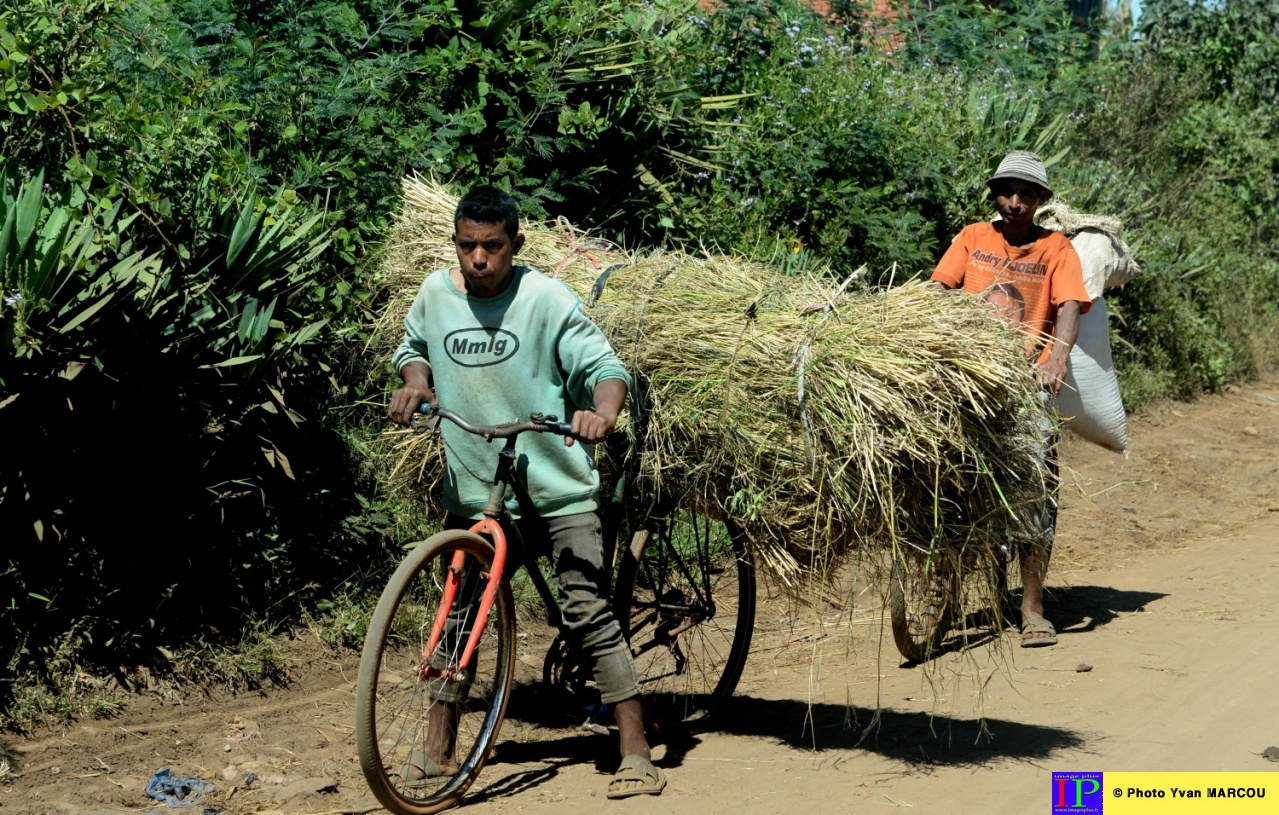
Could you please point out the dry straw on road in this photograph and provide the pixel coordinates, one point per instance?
(822, 423)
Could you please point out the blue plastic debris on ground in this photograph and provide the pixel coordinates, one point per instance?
(178, 792)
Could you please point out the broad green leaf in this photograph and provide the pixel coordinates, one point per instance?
(6, 240)
(45, 272)
(262, 324)
(246, 228)
(114, 212)
(227, 363)
(128, 270)
(734, 97)
(305, 333)
(246, 319)
(29, 203)
(1058, 156)
(86, 314)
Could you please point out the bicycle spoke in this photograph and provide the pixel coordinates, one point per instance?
(689, 605)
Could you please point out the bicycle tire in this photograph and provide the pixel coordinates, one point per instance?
(916, 588)
(686, 604)
(392, 710)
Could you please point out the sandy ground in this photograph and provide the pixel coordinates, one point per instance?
(1165, 581)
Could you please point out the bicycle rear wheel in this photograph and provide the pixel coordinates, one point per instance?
(922, 600)
(395, 702)
(685, 598)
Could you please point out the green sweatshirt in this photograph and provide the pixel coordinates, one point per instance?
(531, 349)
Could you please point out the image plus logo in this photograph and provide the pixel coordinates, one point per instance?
(1077, 793)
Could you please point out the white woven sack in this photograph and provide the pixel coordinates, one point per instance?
(1089, 400)
(1098, 239)
(1105, 258)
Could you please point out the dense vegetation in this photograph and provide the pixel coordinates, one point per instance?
(193, 192)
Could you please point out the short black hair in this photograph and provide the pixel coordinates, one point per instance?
(487, 204)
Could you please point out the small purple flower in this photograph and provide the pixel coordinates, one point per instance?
(13, 299)
(750, 202)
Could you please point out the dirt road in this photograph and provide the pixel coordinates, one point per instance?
(1165, 580)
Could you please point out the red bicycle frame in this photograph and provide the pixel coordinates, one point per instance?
(491, 526)
(485, 526)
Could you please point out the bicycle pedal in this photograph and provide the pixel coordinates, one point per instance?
(597, 729)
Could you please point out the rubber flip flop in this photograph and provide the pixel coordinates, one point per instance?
(635, 768)
(421, 771)
(1036, 632)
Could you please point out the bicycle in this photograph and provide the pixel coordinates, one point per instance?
(927, 591)
(928, 588)
(684, 595)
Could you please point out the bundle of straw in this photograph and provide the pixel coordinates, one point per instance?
(820, 422)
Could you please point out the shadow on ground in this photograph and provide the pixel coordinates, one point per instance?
(1072, 610)
(914, 738)
(1076, 609)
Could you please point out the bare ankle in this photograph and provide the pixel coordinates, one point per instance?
(629, 715)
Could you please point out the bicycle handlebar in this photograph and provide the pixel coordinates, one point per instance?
(537, 423)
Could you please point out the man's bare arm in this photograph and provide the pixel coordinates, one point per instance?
(1052, 372)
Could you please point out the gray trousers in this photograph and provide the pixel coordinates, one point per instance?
(1039, 526)
(577, 561)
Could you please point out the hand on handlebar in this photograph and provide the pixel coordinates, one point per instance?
(406, 401)
(591, 427)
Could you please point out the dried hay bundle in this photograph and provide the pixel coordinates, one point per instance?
(819, 422)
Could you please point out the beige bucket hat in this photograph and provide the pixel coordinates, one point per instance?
(1022, 165)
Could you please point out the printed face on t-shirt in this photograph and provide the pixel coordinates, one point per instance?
(1008, 300)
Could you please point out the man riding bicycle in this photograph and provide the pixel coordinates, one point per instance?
(494, 341)
(1032, 277)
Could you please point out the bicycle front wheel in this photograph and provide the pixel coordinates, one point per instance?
(685, 598)
(405, 720)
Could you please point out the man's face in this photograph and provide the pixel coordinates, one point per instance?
(1017, 200)
(486, 256)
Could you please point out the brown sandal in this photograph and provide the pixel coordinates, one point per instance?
(1037, 632)
(636, 768)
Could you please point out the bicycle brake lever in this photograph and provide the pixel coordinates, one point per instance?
(425, 424)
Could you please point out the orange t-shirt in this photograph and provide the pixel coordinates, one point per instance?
(1027, 285)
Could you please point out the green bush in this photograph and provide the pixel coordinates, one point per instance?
(853, 154)
(859, 144)
(193, 193)
(1182, 127)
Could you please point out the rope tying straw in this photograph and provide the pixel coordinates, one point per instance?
(569, 238)
(801, 358)
(830, 304)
